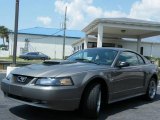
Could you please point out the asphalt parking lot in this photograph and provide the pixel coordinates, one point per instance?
(132, 109)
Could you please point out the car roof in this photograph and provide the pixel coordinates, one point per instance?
(113, 48)
(32, 52)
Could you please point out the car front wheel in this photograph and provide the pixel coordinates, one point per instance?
(151, 90)
(92, 101)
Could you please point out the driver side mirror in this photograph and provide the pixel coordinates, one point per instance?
(122, 64)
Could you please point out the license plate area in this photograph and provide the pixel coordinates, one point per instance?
(16, 90)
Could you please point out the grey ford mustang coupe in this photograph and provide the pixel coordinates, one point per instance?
(86, 80)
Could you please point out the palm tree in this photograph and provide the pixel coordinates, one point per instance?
(4, 33)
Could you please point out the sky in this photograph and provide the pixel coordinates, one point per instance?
(50, 13)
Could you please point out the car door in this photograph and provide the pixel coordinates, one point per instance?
(35, 55)
(42, 56)
(127, 81)
(29, 55)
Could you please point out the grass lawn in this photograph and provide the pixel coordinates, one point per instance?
(18, 60)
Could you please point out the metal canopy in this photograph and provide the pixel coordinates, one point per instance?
(123, 28)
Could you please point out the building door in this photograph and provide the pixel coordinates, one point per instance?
(141, 51)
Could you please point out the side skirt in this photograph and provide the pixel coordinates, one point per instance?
(125, 98)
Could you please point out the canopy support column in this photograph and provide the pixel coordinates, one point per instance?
(85, 42)
(138, 44)
(100, 35)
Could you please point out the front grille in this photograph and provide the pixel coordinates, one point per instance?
(20, 79)
(29, 100)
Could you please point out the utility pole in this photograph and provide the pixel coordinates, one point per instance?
(64, 34)
(15, 32)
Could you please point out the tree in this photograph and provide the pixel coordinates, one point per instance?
(4, 34)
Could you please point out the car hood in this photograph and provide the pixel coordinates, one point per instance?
(55, 68)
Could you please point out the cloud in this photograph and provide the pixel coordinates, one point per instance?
(81, 12)
(146, 10)
(45, 20)
(113, 14)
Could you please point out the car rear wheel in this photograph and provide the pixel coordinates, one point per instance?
(92, 101)
(151, 90)
(43, 58)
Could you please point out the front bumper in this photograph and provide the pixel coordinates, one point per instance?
(57, 98)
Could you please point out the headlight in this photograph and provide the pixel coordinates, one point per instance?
(9, 76)
(54, 81)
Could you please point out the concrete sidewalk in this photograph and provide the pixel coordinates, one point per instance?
(3, 71)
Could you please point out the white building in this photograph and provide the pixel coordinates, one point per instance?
(137, 35)
(122, 32)
(46, 40)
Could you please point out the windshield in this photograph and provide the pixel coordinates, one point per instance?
(98, 56)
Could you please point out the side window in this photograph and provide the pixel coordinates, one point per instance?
(141, 61)
(34, 53)
(29, 53)
(129, 57)
(40, 53)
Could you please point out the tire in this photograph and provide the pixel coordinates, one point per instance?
(151, 90)
(27, 58)
(91, 104)
(43, 58)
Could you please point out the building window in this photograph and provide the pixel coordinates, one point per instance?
(82, 45)
(141, 50)
(91, 44)
(119, 46)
